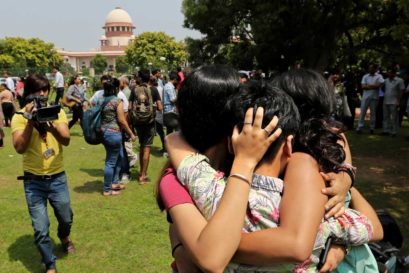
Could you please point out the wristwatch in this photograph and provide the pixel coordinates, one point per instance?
(28, 115)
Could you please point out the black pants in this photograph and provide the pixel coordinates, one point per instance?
(8, 111)
(77, 113)
(59, 94)
(161, 133)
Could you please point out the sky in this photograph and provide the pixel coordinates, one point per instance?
(76, 25)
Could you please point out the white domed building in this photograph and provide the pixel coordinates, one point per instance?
(118, 31)
(118, 35)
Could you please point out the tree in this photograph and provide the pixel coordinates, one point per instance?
(156, 48)
(99, 63)
(19, 55)
(122, 65)
(315, 32)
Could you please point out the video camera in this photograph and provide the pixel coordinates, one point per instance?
(44, 113)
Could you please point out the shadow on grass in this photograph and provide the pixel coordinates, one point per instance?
(90, 187)
(76, 133)
(24, 250)
(156, 152)
(94, 172)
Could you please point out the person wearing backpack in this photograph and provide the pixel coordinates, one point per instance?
(112, 120)
(143, 103)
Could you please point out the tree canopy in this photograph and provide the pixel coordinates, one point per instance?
(157, 48)
(99, 63)
(19, 55)
(277, 34)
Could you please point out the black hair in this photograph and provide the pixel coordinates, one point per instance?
(319, 134)
(72, 79)
(111, 86)
(275, 103)
(179, 69)
(173, 76)
(201, 103)
(104, 78)
(35, 83)
(56, 68)
(154, 71)
(5, 86)
(144, 75)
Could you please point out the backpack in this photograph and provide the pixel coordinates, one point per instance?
(386, 251)
(143, 110)
(91, 123)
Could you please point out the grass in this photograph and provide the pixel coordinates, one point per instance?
(128, 233)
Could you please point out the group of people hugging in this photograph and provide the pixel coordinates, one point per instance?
(260, 179)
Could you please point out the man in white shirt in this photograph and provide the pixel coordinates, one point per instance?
(10, 83)
(371, 83)
(59, 84)
(394, 88)
(98, 97)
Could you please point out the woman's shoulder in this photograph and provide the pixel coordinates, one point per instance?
(302, 161)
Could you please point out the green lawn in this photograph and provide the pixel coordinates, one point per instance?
(124, 233)
(128, 233)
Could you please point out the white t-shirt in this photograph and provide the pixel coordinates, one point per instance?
(369, 79)
(59, 80)
(10, 84)
(393, 90)
(98, 98)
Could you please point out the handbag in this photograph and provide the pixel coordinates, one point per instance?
(66, 102)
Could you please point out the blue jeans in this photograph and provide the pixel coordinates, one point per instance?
(365, 104)
(56, 192)
(113, 159)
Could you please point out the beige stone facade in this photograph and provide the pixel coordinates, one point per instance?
(118, 35)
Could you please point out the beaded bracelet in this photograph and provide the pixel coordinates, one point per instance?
(348, 169)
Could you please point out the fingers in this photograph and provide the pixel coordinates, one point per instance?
(273, 137)
(335, 211)
(248, 119)
(326, 268)
(258, 120)
(332, 202)
(272, 125)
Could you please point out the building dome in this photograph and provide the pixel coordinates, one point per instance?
(118, 15)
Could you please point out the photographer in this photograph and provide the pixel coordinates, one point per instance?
(44, 176)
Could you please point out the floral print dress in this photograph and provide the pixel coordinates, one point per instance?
(206, 187)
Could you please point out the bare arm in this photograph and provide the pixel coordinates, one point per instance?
(301, 211)
(21, 138)
(359, 203)
(159, 105)
(122, 121)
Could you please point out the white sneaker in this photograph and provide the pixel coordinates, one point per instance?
(125, 179)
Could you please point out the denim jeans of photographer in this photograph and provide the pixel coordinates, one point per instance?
(37, 193)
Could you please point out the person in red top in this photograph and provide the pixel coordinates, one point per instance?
(181, 76)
